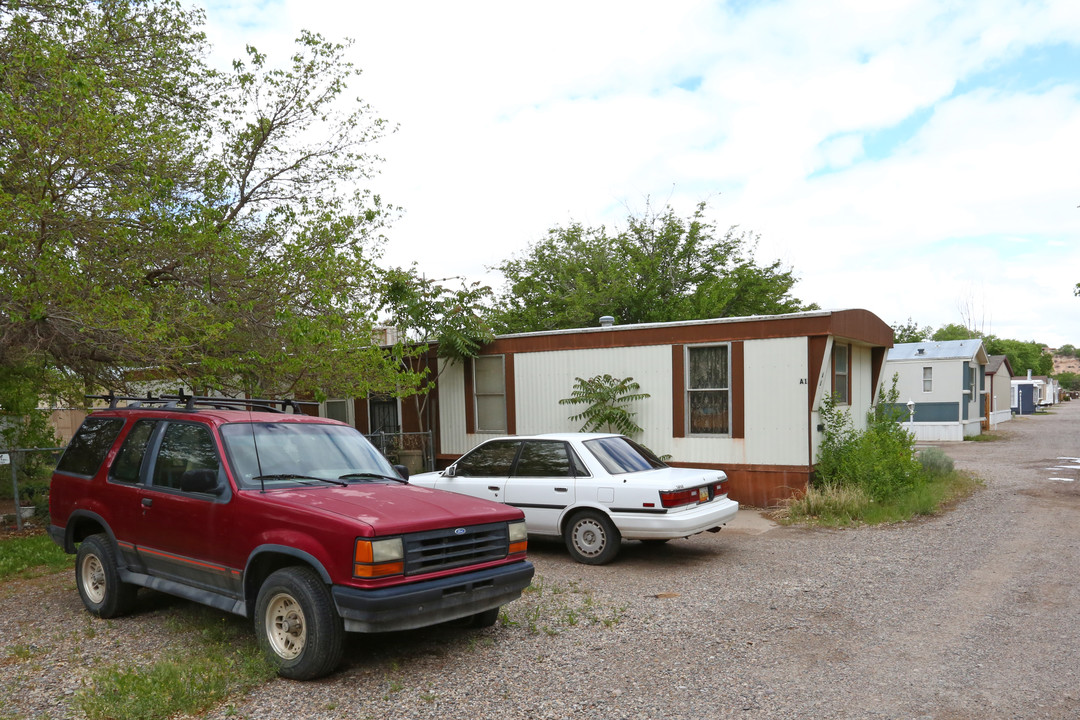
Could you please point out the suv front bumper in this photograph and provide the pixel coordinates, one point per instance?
(415, 605)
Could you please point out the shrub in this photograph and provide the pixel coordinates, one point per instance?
(880, 460)
(935, 462)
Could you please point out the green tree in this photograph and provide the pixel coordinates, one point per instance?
(910, 332)
(157, 214)
(661, 267)
(424, 312)
(954, 331)
(1023, 356)
(1069, 380)
(607, 398)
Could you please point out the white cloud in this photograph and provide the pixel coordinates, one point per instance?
(514, 118)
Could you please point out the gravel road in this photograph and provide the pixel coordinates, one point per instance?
(971, 614)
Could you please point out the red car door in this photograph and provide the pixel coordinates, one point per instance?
(188, 514)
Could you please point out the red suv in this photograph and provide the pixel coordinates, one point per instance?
(292, 520)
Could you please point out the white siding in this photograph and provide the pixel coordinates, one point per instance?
(777, 395)
(452, 408)
(544, 378)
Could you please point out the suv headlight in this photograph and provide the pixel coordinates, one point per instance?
(378, 558)
(519, 536)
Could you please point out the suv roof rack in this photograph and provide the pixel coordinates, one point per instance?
(180, 401)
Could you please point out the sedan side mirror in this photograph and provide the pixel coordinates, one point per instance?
(450, 472)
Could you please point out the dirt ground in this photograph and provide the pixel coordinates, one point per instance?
(968, 615)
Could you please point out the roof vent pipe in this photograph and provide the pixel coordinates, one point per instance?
(606, 321)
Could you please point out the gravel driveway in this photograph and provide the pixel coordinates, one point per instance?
(967, 615)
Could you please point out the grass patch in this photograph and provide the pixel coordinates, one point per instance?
(848, 506)
(27, 556)
(225, 662)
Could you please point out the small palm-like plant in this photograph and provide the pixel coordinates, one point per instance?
(607, 398)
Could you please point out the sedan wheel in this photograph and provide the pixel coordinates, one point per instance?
(592, 538)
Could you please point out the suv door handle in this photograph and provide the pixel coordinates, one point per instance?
(147, 502)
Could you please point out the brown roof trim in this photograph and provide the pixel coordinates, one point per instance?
(860, 326)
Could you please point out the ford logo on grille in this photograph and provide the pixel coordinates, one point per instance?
(459, 531)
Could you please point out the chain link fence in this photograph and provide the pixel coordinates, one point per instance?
(30, 470)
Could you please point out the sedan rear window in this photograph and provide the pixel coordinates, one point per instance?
(622, 455)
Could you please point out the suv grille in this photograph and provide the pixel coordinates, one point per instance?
(444, 549)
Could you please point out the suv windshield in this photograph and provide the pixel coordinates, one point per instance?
(622, 455)
(289, 454)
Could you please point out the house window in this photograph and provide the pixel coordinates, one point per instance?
(928, 379)
(338, 409)
(841, 373)
(489, 388)
(708, 390)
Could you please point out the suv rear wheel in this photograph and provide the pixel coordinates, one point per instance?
(98, 580)
(297, 625)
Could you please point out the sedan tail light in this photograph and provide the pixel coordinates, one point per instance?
(678, 498)
(720, 488)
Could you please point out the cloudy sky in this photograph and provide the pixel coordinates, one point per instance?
(917, 159)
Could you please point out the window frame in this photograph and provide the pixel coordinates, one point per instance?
(350, 409)
(477, 395)
(928, 378)
(726, 390)
(841, 381)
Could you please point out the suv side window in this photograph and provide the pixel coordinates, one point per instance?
(186, 448)
(88, 448)
(127, 467)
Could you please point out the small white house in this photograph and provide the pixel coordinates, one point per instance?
(1032, 392)
(942, 387)
(738, 394)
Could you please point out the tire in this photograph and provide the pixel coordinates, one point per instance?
(592, 538)
(297, 626)
(98, 580)
(485, 619)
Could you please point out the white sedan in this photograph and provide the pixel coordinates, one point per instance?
(591, 489)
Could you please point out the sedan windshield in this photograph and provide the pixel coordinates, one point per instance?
(291, 454)
(622, 455)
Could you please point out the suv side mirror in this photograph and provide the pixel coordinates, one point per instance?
(403, 471)
(200, 481)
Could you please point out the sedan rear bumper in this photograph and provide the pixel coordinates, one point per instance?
(677, 524)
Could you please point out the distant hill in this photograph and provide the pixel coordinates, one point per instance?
(1066, 363)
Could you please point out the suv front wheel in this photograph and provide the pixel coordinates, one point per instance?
(98, 580)
(297, 625)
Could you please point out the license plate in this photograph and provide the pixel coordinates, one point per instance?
(703, 494)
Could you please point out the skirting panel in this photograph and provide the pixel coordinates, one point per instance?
(761, 485)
